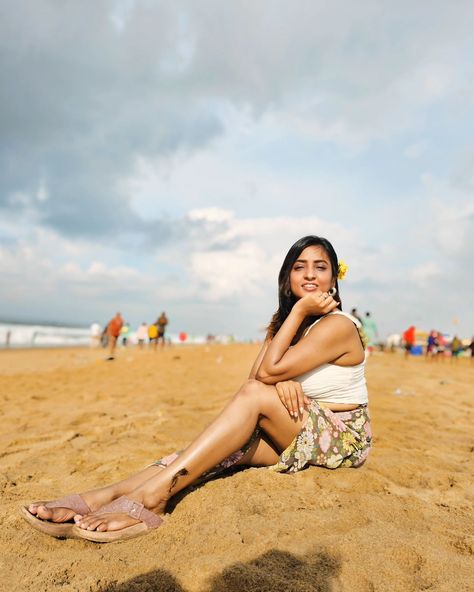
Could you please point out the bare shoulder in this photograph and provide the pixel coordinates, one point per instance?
(337, 334)
(336, 326)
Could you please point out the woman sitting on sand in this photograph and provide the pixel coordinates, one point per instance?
(304, 403)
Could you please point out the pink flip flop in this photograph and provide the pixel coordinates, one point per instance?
(72, 502)
(122, 505)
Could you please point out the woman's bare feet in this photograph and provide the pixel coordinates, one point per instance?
(57, 515)
(153, 499)
(95, 498)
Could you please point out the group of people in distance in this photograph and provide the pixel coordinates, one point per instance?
(437, 346)
(154, 333)
(117, 328)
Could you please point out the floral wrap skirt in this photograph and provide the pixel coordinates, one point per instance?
(328, 439)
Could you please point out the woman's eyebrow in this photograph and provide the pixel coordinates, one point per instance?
(315, 261)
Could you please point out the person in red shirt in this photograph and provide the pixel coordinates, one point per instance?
(409, 339)
(113, 331)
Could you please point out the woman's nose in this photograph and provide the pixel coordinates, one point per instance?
(309, 274)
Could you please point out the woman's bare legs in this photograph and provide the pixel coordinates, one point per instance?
(254, 404)
(261, 453)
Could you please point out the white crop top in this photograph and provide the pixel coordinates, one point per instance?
(336, 384)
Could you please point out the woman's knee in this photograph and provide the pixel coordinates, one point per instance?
(254, 393)
(251, 389)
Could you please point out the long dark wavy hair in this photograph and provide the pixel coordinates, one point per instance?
(286, 299)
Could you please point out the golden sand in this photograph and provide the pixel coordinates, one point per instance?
(402, 522)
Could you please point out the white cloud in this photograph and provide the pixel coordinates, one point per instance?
(213, 215)
(448, 223)
(243, 272)
(121, 12)
(42, 193)
(452, 225)
(425, 272)
(416, 149)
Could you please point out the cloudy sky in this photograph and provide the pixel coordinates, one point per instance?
(164, 156)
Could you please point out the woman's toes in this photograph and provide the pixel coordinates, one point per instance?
(44, 512)
(89, 523)
(94, 524)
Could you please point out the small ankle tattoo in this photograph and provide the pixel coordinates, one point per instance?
(176, 476)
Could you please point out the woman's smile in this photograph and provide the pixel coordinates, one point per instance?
(309, 286)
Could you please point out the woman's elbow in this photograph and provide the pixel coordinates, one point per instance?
(264, 377)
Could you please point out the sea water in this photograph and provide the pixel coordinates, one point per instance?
(23, 335)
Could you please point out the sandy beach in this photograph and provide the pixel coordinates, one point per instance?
(402, 522)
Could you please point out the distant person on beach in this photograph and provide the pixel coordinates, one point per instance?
(153, 335)
(95, 333)
(355, 314)
(104, 338)
(305, 403)
(456, 348)
(7, 338)
(161, 324)
(441, 347)
(142, 335)
(370, 330)
(432, 346)
(114, 327)
(125, 334)
(409, 340)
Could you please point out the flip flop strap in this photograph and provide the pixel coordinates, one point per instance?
(72, 502)
(124, 505)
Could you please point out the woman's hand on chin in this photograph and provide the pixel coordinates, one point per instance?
(316, 304)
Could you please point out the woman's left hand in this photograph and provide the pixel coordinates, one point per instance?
(316, 304)
(291, 395)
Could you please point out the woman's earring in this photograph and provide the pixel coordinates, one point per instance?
(332, 291)
(289, 293)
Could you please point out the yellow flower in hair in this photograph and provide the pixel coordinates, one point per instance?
(342, 270)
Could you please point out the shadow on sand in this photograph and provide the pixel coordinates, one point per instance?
(274, 571)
